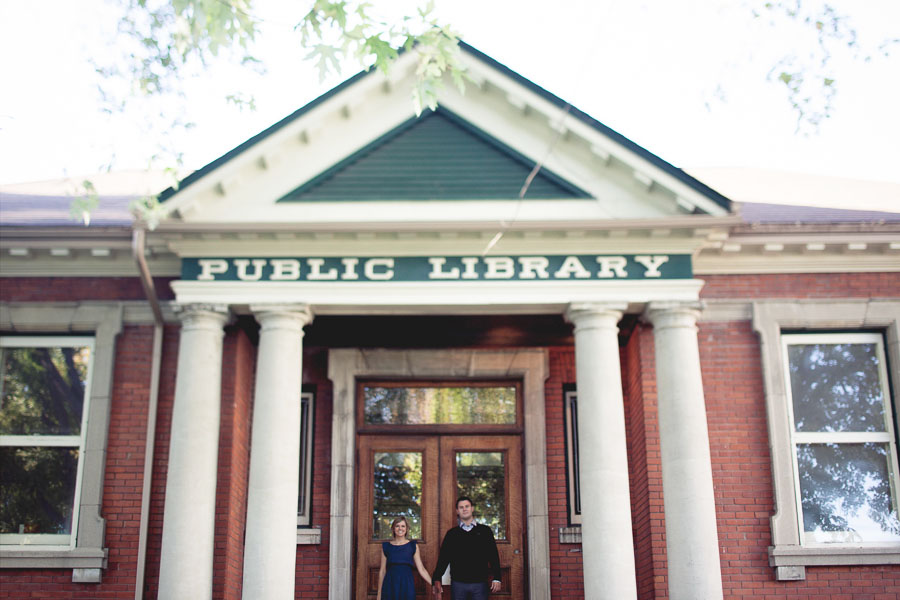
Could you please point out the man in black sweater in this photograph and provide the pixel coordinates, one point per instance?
(471, 552)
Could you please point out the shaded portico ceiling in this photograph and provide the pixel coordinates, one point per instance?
(358, 154)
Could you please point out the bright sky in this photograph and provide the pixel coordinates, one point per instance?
(649, 70)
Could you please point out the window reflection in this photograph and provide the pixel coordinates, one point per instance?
(398, 492)
(846, 489)
(481, 476)
(836, 387)
(439, 405)
(43, 390)
(37, 489)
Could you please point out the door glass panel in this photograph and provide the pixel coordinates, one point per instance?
(398, 492)
(385, 405)
(481, 476)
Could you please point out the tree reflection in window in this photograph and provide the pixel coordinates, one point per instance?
(43, 390)
(398, 492)
(846, 488)
(481, 477)
(439, 405)
(842, 437)
(42, 402)
(836, 387)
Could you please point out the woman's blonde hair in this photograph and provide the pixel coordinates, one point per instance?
(400, 520)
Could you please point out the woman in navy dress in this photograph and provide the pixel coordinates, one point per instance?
(398, 559)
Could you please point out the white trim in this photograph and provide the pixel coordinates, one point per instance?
(882, 437)
(104, 321)
(345, 365)
(303, 514)
(769, 319)
(544, 297)
(572, 490)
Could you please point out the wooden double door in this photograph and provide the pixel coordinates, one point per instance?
(420, 477)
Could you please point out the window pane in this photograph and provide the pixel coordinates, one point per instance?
(37, 489)
(481, 477)
(836, 387)
(398, 492)
(440, 405)
(846, 488)
(43, 390)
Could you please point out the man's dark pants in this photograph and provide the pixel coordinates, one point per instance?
(469, 591)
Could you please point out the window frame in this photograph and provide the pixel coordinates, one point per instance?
(850, 437)
(573, 479)
(772, 319)
(304, 513)
(57, 441)
(101, 321)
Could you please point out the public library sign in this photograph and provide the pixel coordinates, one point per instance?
(580, 267)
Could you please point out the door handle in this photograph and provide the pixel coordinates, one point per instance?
(517, 551)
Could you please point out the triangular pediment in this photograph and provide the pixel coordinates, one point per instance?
(362, 144)
(436, 156)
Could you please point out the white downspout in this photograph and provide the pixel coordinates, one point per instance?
(138, 246)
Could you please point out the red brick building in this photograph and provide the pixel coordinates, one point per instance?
(360, 313)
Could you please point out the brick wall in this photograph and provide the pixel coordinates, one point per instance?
(312, 560)
(801, 285)
(742, 477)
(639, 385)
(238, 368)
(566, 579)
(161, 458)
(70, 289)
(121, 486)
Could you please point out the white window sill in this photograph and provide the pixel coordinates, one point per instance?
(19, 557)
(790, 561)
(309, 536)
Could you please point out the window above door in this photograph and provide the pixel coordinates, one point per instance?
(431, 406)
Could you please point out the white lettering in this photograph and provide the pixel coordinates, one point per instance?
(350, 268)
(572, 266)
(469, 263)
(612, 266)
(243, 263)
(210, 267)
(533, 265)
(285, 269)
(386, 263)
(652, 263)
(499, 267)
(437, 270)
(315, 270)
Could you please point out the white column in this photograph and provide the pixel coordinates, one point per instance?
(607, 544)
(186, 565)
(692, 542)
(270, 543)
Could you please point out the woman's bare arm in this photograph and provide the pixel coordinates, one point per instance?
(417, 558)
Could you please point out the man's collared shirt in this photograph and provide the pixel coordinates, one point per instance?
(467, 527)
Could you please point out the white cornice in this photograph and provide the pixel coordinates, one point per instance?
(513, 297)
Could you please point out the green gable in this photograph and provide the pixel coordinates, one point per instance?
(436, 156)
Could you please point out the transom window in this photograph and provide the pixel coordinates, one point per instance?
(842, 435)
(44, 383)
(425, 405)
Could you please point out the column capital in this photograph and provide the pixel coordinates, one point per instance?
(591, 315)
(202, 315)
(282, 316)
(664, 314)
